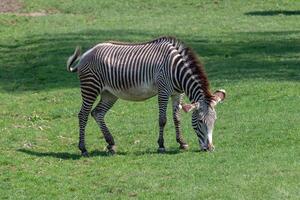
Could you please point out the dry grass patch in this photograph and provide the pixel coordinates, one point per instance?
(7, 6)
(14, 6)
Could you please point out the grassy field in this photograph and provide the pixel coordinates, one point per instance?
(250, 48)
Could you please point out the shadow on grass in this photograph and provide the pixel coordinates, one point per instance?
(95, 153)
(252, 55)
(273, 12)
(39, 62)
(173, 151)
(152, 152)
(66, 155)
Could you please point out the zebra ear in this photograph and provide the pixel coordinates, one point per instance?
(189, 107)
(218, 96)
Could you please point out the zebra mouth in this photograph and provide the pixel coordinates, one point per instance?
(209, 148)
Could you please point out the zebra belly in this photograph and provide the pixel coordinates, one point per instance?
(137, 93)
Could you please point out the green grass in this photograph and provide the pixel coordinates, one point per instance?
(250, 48)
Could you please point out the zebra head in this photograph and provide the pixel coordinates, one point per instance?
(203, 119)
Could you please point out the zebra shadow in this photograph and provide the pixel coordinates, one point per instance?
(95, 153)
(67, 155)
(171, 151)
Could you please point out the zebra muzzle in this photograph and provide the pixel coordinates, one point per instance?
(211, 147)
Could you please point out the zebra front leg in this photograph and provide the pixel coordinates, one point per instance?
(162, 103)
(106, 102)
(176, 100)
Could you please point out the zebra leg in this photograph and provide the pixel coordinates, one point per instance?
(106, 102)
(83, 118)
(162, 104)
(176, 100)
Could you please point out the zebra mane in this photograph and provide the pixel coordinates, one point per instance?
(170, 39)
(197, 68)
(193, 61)
(133, 43)
(194, 64)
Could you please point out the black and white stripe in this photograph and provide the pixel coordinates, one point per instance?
(163, 67)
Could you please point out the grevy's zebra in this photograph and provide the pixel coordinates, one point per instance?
(135, 72)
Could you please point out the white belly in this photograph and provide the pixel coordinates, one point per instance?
(138, 93)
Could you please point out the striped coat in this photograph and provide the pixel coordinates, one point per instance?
(164, 67)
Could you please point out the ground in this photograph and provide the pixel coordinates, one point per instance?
(9, 6)
(249, 48)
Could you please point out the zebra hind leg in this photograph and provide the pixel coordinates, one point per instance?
(98, 113)
(83, 118)
(176, 100)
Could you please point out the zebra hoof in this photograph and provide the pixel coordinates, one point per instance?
(85, 154)
(161, 150)
(184, 146)
(111, 149)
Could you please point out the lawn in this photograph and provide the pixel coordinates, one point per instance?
(250, 48)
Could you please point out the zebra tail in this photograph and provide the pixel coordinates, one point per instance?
(72, 59)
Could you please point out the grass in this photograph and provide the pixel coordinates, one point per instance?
(251, 49)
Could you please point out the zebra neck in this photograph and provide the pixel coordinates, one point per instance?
(196, 94)
(192, 87)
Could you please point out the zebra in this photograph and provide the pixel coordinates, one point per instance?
(165, 67)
